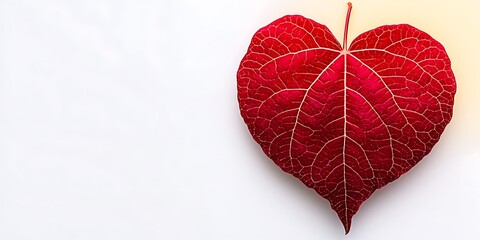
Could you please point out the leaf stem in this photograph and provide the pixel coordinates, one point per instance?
(345, 31)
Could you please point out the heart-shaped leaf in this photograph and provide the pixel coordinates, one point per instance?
(345, 121)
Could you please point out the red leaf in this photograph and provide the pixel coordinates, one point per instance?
(345, 122)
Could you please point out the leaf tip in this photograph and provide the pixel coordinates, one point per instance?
(346, 225)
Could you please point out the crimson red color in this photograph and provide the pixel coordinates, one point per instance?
(345, 122)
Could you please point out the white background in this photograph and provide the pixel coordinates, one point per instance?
(119, 120)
